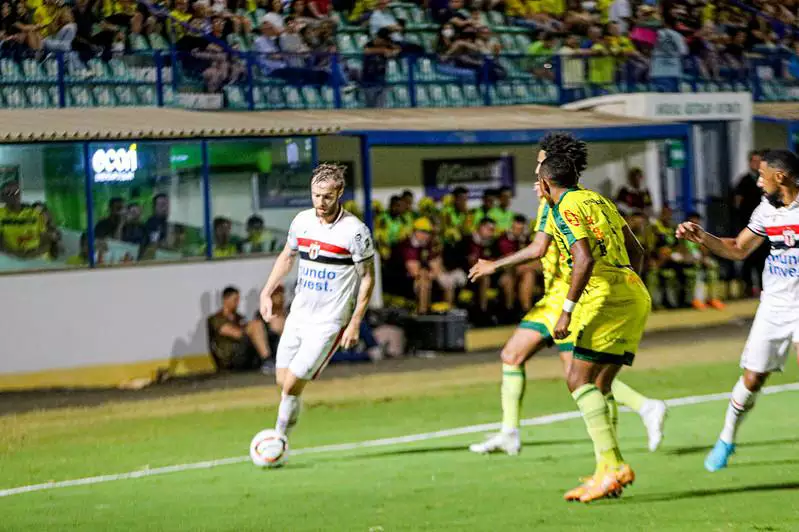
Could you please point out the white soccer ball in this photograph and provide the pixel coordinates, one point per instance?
(269, 448)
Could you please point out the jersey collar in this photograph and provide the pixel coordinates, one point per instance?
(334, 222)
(572, 189)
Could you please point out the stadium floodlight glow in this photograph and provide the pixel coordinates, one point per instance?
(115, 165)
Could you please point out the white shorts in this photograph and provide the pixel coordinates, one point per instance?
(305, 349)
(773, 332)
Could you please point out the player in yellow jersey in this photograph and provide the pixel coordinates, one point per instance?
(536, 329)
(604, 257)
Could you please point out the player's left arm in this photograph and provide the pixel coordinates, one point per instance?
(363, 255)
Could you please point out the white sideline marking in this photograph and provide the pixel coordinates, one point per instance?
(208, 464)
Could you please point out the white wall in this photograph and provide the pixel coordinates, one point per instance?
(117, 316)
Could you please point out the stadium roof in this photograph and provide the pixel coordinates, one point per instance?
(136, 123)
(139, 123)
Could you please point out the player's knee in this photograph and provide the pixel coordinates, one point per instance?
(575, 379)
(754, 381)
(512, 357)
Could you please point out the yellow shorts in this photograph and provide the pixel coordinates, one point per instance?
(612, 319)
(545, 314)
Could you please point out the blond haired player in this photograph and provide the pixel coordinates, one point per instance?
(334, 285)
(776, 324)
(536, 329)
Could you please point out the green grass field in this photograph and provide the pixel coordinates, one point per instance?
(428, 485)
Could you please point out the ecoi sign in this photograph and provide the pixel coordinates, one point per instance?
(114, 165)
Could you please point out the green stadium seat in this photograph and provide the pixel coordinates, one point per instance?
(169, 95)
(104, 96)
(401, 12)
(429, 40)
(349, 100)
(345, 45)
(329, 97)
(293, 98)
(400, 96)
(146, 96)
(125, 95)
(50, 69)
(422, 97)
(455, 95)
(38, 97)
(158, 42)
(138, 43)
(32, 70)
(496, 18)
(522, 94)
(414, 38)
(118, 69)
(79, 97)
(472, 96)
(508, 43)
(522, 42)
(360, 41)
(14, 97)
(97, 68)
(425, 70)
(235, 97)
(9, 70)
(238, 42)
(417, 15)
(437, 96)
(393, 73)
(313, 99)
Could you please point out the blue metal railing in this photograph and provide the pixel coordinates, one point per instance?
(301, 81)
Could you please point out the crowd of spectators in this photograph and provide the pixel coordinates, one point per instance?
(428, 248)
(577, 43)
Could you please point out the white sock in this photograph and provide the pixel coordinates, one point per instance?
(741, 402)
(287, 413)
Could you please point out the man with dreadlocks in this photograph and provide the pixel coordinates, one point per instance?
(336, 273)
(537, 327)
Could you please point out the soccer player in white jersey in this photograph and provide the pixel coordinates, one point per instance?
(776, 323)
(334, 285)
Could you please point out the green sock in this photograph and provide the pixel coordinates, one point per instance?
(627, 396)
(613, 412)
(596, 415)
(513, 382)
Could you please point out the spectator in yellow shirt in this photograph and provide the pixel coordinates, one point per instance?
(629, 61)
(522, 9)
(44, 16)
(601, 65)
(23, 229)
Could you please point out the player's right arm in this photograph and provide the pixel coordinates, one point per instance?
(536, 250)
(737, 248)
(282, 267)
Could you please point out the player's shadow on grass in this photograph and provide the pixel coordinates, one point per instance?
(452, 448)
(692, 494)
(696, 449)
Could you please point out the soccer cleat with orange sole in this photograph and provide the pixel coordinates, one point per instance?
(625, 475)
(575, 493)
(716, 304)
(603, 487)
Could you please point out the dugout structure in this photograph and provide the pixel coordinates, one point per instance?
(130, 324)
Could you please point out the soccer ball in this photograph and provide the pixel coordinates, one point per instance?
(269, 448)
